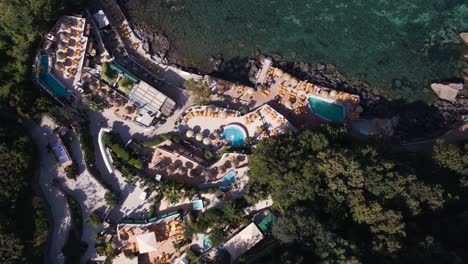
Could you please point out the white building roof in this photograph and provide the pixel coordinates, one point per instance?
(146, 242)
(243, 241)
(101, 18)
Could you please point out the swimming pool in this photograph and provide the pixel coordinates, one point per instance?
(230, 177)
(235, 135)
(49, 81)
(327, 110)
(206, 243)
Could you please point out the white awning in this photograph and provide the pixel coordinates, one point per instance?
(243, 241)
(146, 242)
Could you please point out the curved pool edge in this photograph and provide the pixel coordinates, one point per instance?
(239, 128)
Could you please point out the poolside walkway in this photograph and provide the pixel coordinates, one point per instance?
(258, 124)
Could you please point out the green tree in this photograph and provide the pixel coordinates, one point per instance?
(448, 156)
(111, 198)
(217, 237)
(126, 84)
(353, 184)
(108, 74)
(230, 213)
(94, 219)
(199, 89)
(11, 249)
(172, 194)
(300, 228)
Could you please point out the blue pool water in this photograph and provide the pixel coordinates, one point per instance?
(49, 81)
(230, 177)
(207, 244)
(326, 110)
(234, 135)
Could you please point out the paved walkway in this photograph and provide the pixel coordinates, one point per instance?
(133, 205)
(61, 224)
(90, 194)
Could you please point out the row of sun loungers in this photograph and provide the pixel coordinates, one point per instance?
(251, 118)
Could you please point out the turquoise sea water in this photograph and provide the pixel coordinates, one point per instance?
(326, 110)
(399, 46)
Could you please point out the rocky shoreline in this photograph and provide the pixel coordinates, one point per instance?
(415, 119)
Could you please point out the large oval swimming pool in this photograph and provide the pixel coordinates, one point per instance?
(235, 135)
(327, 110)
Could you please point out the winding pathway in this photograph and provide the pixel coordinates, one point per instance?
(61, 220)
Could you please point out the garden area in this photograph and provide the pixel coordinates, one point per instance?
(108, 74)
(87, 147)
(125, 85)
(125, 156)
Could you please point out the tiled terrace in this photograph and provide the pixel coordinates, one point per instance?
(166, 234)
(258, 124)
(111, 98)
(69, 34)
(173, 163)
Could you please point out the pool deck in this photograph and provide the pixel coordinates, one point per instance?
(171, 156)
(261, 123)
(289, 95)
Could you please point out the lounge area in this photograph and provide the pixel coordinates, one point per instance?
(211, 122)
(154, 243)
(175, 163)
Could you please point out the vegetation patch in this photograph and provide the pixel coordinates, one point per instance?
(108, 74)
(23, 228)
(161, 138)
(199, 89)
(125, 84)
(87, 146)
(117, 146)
(353, 202)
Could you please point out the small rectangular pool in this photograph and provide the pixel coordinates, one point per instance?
(229, 178)
(327, 110)
(50, 81)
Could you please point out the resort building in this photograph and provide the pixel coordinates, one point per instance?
(243, 241)
(59, 67)
(60, 150)
(154, 243)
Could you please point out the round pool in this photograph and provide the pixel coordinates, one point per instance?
(235, 135)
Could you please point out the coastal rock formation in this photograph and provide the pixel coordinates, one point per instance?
(447, 91)
(464, 37)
